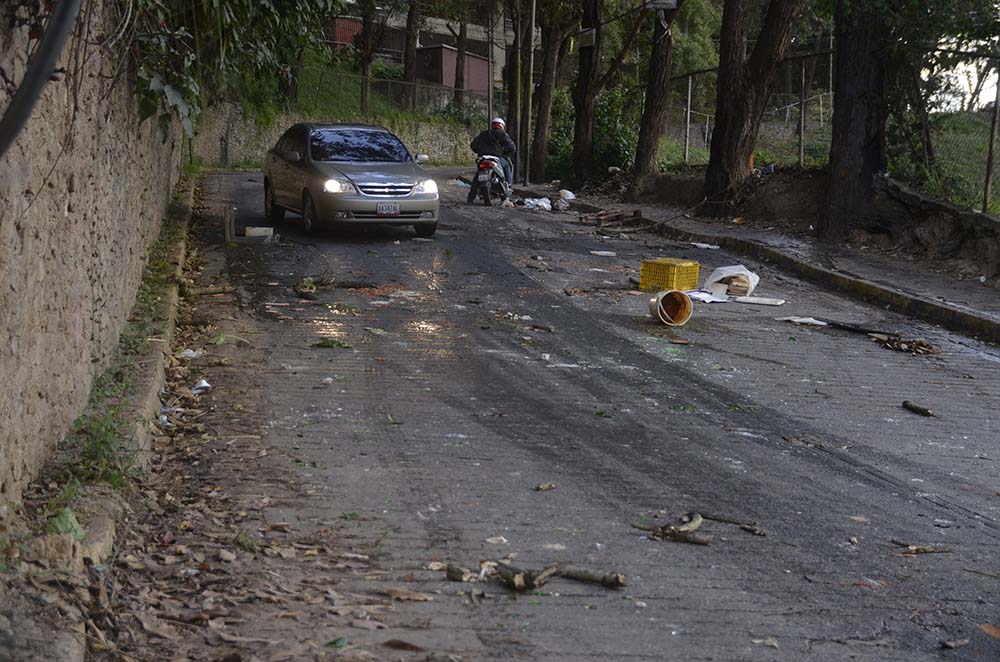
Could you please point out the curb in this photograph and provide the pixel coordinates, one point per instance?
(953, 318)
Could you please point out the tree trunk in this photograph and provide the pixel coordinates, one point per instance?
(367, 55)
(857, 147)
(654, 113)
(459, 100)
(742, 91)
(522, 139)
(585, 94)
(552, 45)
(513, 73)
(288, 86)
(410, 55)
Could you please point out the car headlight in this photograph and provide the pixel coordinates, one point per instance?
(427, 186)
(337, 186)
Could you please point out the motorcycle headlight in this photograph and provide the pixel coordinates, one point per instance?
(427, 186)
(337, 186)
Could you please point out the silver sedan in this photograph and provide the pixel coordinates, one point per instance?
(350, 174)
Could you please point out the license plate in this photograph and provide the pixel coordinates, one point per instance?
(387, 209)
(484, 176)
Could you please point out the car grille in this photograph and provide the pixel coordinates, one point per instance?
(386, 189)
(405, 214)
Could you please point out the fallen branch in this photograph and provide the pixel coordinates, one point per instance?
(683, 532)
(920, 549)
(610, 580)
(917, 409)
(747, 525)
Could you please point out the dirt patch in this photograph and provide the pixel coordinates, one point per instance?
(789, 202)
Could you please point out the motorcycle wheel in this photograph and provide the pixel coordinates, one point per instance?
(487, 195)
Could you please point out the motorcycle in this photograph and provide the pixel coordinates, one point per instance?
(489, 182)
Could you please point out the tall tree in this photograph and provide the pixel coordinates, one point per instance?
(590, 82)
(557, 19)
(742, 90)
(857, 148)
(654, 113)
(366, 51)
(461, 45)
(410, 54)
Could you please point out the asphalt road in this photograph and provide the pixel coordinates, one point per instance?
(466, 376)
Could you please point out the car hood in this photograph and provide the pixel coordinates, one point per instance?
(374, 173)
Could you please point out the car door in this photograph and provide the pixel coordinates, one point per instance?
(277, 168)
(296, 170)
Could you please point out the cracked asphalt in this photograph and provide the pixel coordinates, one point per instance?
(503, 354)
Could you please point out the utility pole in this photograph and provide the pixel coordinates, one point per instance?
(489, 81)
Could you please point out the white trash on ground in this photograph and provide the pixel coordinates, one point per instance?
(604, 253)
(805, 321)
(459, 182)
(706, 297)
(566, 195)
(190, 354)
(201, 387)
(760, 301)
(736, 275)
(698, 244)
(538, 203)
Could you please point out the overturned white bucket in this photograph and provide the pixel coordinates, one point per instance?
(672, 307)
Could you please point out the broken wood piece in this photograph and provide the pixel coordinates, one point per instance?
(917, 409)
(683, 532)
(920, 549)
(514, 578)
(729, 520)
(457, 573)
(610, 579)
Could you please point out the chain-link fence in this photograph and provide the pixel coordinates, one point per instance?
(950, 161)
(337, 95)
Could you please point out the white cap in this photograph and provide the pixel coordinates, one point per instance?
(498, 120)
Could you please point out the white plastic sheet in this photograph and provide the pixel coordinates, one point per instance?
(722, 274)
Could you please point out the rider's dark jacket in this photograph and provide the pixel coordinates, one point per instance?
(495, 142)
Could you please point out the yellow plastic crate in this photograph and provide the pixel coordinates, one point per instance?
(668, 273)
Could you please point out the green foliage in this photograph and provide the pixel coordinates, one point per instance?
(65, 521)
(187, 53)
(102, 460)
(559, 159)
(387, 70)
(616, 129)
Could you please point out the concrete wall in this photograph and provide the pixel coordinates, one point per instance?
(248, 142)
(82, 194)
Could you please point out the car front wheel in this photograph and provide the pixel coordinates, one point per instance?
(273, 212)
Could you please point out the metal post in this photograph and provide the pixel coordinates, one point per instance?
(802, 113)
(687, 124)
(531, 85)
(489, 82)
(820, 110)
(708, 129)
(831, 56)
(989, 157)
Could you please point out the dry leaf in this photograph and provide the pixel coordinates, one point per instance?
(401, 645)
(367, 624)
(403, 594)
(991, 630)
(154, 625)
(497, 540)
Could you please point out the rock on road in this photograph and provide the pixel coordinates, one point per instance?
(464, 376)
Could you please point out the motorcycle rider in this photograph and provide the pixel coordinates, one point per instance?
(495, 142)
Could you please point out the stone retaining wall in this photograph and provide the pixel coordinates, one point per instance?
(82, 194)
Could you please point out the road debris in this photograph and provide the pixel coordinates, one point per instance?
(305, 288)
(217, 289)
(403, 594)
(673, 308)
(770, 642)
(917, 346)
(803, 321)
(710, 247)
(682, 532)
(566, 194)
(523, 579)
(331, 343)
(401, 645)
(917, 409)
(604, 253)
(545, 487)
(497, 540)
(913, 550)
(738, 280)
(535, 204)
(991, 630)
(201, 387)
(747, 525)
(680, 341)
(189, 354)
(760, 301)
(958, 643)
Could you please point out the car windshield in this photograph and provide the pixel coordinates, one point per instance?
(357, 145)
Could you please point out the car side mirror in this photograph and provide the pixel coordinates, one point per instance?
(292, 156)
(423, 158)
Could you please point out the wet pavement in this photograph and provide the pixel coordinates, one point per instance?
(464, 371)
